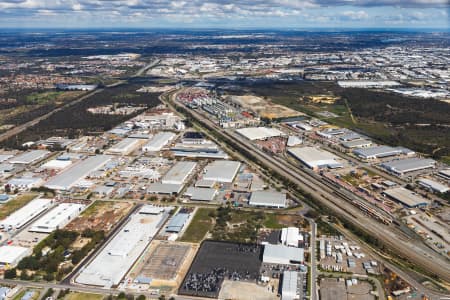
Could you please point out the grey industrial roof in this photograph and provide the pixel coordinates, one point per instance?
(179, 172)
(406, 197)
(268, 198)
(77, 172)
(434, 185)
(29, 157)
(408, 165)
(282, 253)
(177, 222)
(201, 194)
(164, 188)
(314, 157)
(356, 143)
(377, 151)
(222, 170)
(289, 285)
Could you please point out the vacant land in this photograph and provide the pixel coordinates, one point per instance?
(245, 290)
(14, 204)
(100, 216)
(217, 261)
(199, 226)
(83, 296)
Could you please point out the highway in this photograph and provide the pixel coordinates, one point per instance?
(332, 197)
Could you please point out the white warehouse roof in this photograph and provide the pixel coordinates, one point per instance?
(221, 171)
(29, 157)
(201, 194)
(77, 172)
(25, 214)
(268, 199)
(283, 255)
(314, 157)
(259, 133)
(434, 185)
(290, 236)
(114, 261)
(179, 172)
(158, 141)
(11, 255)
(406, 197)
(289, 285)
(57, 218)
(125, 146)
(56, 164)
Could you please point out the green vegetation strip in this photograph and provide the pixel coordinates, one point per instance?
(199, 226)
(14, 204)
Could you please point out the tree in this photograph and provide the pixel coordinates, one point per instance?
(141, 297)
(11, 273)
(121, 295)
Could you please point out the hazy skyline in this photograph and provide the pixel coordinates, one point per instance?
(226, 13)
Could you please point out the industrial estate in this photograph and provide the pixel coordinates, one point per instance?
(204, 189)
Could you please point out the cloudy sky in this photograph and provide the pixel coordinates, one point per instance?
(226, 13)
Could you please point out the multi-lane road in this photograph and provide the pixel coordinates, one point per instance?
(330, 196)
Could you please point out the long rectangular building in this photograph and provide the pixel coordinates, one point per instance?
(71, 176)
(57, 218)
(315, 158)
(29, 157)
(406, 197)
(114, 261)
(125, 146)
(403, 166)
(25, 214)
(158, 141)
(221, 171)
(179, 173)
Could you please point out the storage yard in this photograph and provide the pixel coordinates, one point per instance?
(217, 261)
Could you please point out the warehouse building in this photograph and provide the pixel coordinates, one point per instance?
(125, 146)
(158, 141)
(380, 152)
(290, 288)
(25, 182)
(259, 133)
(57, 218)
(221, 171)
(357, 144)
(201, 194)
(56, 164)
(164, 188)
(282, 255)
(179, 173)
(290, 236)
(177, 222)
(445, 174)
(315, 158)
(70, 177)
(30, 157)
(22, 216)
(12, 255)
(268, 199)
(406, 197)
(402, 166)
(114, 261)
(434, 186)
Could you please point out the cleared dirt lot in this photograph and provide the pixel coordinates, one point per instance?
(239, 290)
(264, 107)
(101, 215)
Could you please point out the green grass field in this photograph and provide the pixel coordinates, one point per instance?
(83, 296)
(199, 226)
(42, 98)
(16, 203)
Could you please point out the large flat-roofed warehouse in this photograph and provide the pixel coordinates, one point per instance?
(259, 133)
(406, 197)
(125, 146)
(158, 141)
(403, 166)
(179, 172)
(164, 188)
(29, 157)
(114, 261)
(290, 236)
(57, 218)
(282, 255)
(435, 186)
(356, 144)
(379, 152)
(315, 158)
(25, 214)
(290, 287)
(268, 199)
(11, 255)
(201, 194)
(221, 171)
(71, 176)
